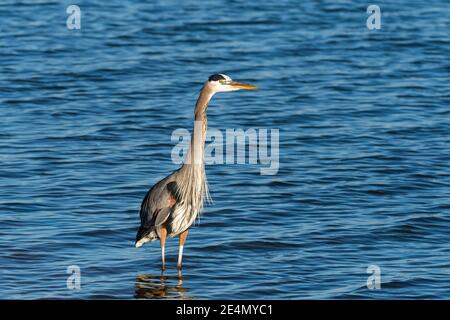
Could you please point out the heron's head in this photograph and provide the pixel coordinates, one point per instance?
(223, 83)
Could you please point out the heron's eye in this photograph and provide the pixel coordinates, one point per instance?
(224, 81)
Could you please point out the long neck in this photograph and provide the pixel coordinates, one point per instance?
(195, 154)
(193, 186)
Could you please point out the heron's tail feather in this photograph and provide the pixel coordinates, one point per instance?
(145, 235)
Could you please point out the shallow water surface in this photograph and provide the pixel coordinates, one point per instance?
(364, 176)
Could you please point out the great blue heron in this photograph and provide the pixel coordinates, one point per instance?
(170, 207)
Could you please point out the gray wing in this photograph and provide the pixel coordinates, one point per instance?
(158, 203)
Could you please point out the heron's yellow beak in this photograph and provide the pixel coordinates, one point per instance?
(240, 85)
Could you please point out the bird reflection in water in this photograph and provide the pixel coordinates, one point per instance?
(160, 287)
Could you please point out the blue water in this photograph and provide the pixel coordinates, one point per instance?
(364, 179)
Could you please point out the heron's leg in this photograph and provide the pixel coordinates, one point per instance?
(183, 237)
(162, 238)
